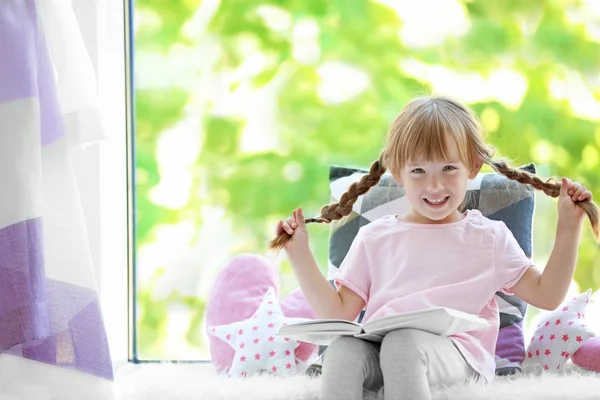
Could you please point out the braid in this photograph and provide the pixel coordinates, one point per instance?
(336, 211)
(550, 187)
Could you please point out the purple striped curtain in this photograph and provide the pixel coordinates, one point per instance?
(53, 343)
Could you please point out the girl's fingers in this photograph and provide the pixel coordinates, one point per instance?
(575, 189)
(283, 226)
(300, 218)
(292, 221)
(565, 187)
(585, 195)
(288, 228)
(580, 190)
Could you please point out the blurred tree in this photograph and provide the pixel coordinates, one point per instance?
(284, 89)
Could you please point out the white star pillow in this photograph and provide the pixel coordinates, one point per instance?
(257, 346)
(559, 334)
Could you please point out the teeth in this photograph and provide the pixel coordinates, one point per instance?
(436, 201)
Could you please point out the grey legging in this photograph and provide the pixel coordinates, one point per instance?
(406, 364)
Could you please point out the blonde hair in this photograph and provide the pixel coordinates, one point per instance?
(422, 130)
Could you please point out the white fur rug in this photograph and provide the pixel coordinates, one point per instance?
(200, 382)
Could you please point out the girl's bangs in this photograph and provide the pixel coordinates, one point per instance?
(431, 141)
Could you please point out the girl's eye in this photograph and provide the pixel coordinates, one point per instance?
(418, 170)
(449, 168)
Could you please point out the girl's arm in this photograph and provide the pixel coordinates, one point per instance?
(547, 290)
(323, 298)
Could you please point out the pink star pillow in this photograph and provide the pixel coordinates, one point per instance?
(255, 341)
(559, 335)
(236, 293)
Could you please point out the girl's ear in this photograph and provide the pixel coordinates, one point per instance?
(475, 170)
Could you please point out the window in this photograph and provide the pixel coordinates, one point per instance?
(240, 108)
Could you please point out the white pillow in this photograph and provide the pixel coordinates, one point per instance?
(559, 334)
(257, 346)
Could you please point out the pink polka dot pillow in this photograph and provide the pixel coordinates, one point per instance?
(588, 355)
(257, 346)
(559, 335)
(237, 293)
(295, 305)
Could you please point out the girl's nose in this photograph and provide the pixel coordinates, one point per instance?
(435, 185)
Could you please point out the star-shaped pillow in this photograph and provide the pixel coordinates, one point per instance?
(559, 334)
(255, 341)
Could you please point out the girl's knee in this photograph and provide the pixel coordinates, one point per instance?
(405, 338)
(403, 345)
(343, 345)
(346, 350)
(352, 363)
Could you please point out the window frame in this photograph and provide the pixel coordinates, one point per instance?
(111, 223)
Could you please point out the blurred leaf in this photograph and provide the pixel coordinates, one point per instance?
(151, 323)
(172, 15)
(221, 137)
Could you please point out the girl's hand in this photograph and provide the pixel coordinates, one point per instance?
(295, 227)
(569, 213)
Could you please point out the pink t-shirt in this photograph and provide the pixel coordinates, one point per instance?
(398, 266)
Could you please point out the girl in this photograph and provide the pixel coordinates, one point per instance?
(431, 256)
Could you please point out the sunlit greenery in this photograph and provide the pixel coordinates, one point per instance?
(242, 105)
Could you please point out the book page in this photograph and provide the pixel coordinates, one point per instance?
(321, 325)
(439, 321)
(370, 337)
(323, 338)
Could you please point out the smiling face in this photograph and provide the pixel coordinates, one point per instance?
(434, 147)
(436, 188)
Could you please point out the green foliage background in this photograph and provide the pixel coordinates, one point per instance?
(193, 58)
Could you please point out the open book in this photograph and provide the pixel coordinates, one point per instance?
(440, 321)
